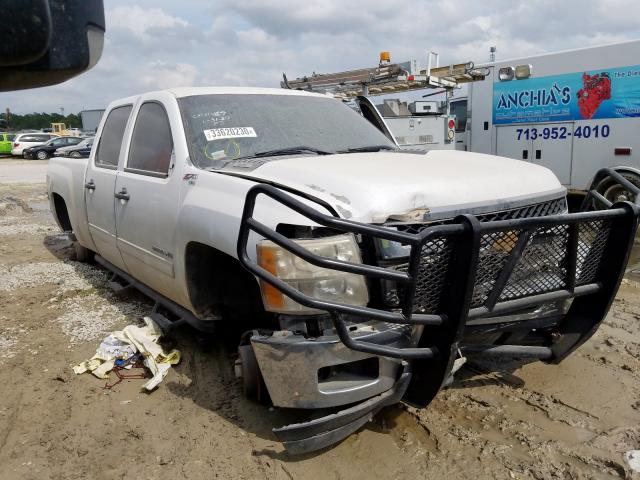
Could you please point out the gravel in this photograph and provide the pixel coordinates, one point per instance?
(25, 229)
(92, 316)
(6, 346)
(68, 275)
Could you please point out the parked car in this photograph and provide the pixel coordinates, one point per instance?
(361, 275)
(44, 151)
(81, 150)
(28, 140)
(6, 143)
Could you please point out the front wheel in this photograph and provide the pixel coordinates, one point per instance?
(42, 155)
(75, 155)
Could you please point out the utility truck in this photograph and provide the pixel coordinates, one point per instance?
(366, 275)
(574, 112)
(421, 125)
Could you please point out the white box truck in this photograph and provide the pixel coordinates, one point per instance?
(573, 111)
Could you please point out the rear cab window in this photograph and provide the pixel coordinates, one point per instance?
(110, 142)
(151, 142)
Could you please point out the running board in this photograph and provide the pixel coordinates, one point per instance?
(117, 287)
(207, 326)
(166, 324)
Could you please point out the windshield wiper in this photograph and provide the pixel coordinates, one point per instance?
(287, 151)
(368, 148)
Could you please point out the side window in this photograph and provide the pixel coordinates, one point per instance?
(10, 138)
(459, 109)
(111, 138)
(151, 143)
(59, 142)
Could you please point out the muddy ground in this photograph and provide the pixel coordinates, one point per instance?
(572, 421)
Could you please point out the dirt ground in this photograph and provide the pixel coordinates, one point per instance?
(572, 421)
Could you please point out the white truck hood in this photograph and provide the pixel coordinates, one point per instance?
(380, 186)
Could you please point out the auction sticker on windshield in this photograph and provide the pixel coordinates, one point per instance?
(230, 132)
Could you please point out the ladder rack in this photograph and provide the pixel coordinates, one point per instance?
(387, 78)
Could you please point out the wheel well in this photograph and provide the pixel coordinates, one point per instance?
(218, 284)
(62, 214)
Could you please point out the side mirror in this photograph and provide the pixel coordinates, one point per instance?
(44, 42)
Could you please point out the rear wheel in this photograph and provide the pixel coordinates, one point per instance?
(42, 155)
(615, 192)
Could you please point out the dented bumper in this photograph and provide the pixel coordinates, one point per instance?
(323, 372)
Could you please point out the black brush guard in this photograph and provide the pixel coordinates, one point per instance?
(458, 273)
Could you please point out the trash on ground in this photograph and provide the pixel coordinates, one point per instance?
(129, 348)
(633, 458)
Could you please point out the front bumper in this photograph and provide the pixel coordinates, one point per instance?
(462, 278)
(323, 372)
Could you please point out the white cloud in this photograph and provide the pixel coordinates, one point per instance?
(159, 75)
(154, 44)
(140, 21)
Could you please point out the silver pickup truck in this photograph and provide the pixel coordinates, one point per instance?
(367, 275)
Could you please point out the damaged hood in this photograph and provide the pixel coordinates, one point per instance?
(385, 186)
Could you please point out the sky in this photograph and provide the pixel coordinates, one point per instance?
(151, 45)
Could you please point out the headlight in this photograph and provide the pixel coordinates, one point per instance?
(317, 282)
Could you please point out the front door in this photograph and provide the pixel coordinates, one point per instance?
(100, 184)
(147, 199)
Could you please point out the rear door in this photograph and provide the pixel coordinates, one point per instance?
(148, 189)
(546, 144)
(100, 182)
(512, 142)
(553, 148)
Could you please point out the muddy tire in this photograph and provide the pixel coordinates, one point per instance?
(615, 192)
(253, 385)
(83, 254)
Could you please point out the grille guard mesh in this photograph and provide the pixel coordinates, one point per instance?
(467, 268)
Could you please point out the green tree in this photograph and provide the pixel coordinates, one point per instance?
(39, 121)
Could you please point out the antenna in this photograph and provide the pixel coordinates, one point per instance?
(492, 54)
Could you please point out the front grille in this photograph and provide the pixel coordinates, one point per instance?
(541, 268)
(542, 209)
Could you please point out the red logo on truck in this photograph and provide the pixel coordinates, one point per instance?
(595, 90)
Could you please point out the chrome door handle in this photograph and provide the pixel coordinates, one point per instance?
(122, 195)
(90, 185)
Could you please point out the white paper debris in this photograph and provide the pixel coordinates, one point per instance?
(633, 458)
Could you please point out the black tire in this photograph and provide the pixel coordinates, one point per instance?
(615, 192)
(83, 254)
(75, 155)
(42, 155)
(253, 385)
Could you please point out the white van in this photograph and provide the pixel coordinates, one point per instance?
(28, 140)
(574, 112)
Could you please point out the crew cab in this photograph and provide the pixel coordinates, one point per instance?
(366, 274)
